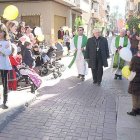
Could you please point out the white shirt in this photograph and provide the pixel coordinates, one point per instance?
(5, 51)
(113, 47)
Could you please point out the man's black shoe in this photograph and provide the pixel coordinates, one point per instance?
(79, 76)
(138, 111)
(83, 77)
(4, 106)
(115, 77)
(120, 77)
(99, 84)
(132, 113)
(94, 82)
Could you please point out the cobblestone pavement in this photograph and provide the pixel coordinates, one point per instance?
(70, 110)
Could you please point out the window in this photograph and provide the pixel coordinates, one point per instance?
(31, 20)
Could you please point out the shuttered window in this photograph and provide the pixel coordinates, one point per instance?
(31, 20)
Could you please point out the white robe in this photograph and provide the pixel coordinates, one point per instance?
(81, 64)
(113, 50)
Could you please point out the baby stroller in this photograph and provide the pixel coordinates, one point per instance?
(53, 54)
(29, 76)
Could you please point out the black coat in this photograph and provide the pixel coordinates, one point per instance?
(60, 34)
(134, 86)
(28, 58)
(91, 52)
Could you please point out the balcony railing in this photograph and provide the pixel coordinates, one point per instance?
(82, 5)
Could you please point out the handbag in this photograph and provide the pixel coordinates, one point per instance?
(131, 76)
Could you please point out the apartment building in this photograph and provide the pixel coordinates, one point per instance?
(50, 15)
(132, 8)
(99, 12)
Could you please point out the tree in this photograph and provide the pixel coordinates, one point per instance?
(79, 22)
(133, 22)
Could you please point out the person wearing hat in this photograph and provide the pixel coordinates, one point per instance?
(96, 54)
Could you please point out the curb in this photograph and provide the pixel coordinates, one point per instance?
(14, 112)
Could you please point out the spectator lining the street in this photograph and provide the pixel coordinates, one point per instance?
(28, 58)
(28, 32)
(5, 65)
(66, 38)
(12, 29)
(134, 42)
(38, 59)
(13, 74)
(60, 33)
(134, 85)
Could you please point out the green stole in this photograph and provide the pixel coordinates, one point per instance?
(84, 42)
(116, 63)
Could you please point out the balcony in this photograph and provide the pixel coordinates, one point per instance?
(67, 2)
(95, 14)
(95, 1)
(82, 5)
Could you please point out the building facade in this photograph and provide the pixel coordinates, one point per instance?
(132, 8)
(99, 13)
(50, 15)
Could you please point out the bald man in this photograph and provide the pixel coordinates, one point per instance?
(97, 53)
(117, 43)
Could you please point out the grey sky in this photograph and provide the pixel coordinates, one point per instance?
(119, 3)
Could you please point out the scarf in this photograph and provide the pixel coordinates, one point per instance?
(119, 62)
(84, 42)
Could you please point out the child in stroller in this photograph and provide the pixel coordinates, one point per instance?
(27, 73)
(51, 63)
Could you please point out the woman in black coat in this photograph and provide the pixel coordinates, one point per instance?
(134, 86)
(97, 53)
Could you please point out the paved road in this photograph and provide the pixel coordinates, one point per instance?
(70, 110)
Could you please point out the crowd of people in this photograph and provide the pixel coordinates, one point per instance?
(18, 45)
(95, 52)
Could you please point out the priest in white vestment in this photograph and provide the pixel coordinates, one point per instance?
(78, 46)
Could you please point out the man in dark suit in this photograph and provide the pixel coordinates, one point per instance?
(60, 33)
(96, 54)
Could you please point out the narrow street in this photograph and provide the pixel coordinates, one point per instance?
(70, 110)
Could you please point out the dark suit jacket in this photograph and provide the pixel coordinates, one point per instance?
(60, 34)
(91, 53)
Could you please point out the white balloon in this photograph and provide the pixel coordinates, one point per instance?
(126, 54)
(38, 31)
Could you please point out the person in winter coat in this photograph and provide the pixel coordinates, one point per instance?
(5, 65)
(134, 85)
(13, 74)
(28, 58)
(96, 54)
(38, 58)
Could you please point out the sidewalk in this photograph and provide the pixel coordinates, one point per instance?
(128, 127)
(64, 111)
(17, 100)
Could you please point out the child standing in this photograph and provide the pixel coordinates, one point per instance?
(5, 65)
